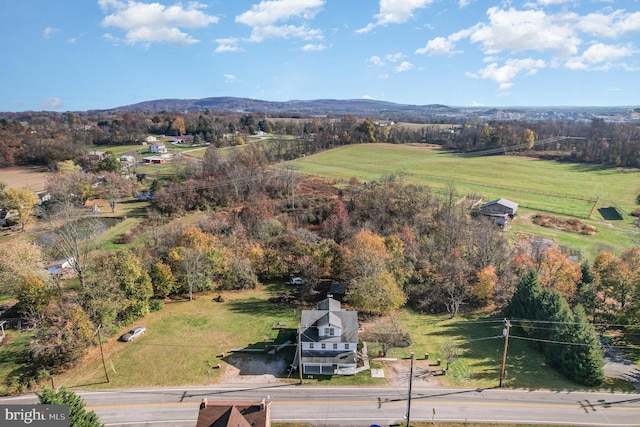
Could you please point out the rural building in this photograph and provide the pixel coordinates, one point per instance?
(328, 340)
(501, 208)
(158, 148)
(181, 138)
(234, 414)
(127, 160)
(154, 159)
(150, 139)
(97, 155)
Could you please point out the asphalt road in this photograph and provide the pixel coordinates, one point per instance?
(359, 406)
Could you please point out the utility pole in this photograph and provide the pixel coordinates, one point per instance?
(104, 365)
(300, 353)
(409, 397)
(505, 332)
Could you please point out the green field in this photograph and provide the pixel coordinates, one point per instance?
(536, 185)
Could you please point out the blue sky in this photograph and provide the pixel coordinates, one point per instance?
(75, 55)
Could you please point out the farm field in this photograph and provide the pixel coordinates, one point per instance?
(536, 185)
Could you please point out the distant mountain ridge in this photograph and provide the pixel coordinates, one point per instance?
(373, 108)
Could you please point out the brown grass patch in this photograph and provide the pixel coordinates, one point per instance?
(570, 224)
(33, 177)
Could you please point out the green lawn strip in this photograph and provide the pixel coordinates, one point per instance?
(481, 344)
(12, 359)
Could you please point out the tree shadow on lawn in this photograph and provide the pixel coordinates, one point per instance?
(262, 363)
(525, 366)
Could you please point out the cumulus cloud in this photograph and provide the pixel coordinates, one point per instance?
(263, 17)
(403, 66)
(52, 103)
(600, 56)
(504, 75)
(439, 46)
(395, 57)
(395, 12)
(520, 30)
(376, 60)
(230, 78)
(147, 23)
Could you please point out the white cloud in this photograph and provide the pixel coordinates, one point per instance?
(263, 16)
(404, 66)
(148, 23)
(395, 12)
(504, 75)
(49, 31)
(376, 60)
(313, 47)
(395, 57)
(612, 25)
(228, 45)
(72, 40)
(600, 56)
(439, 46)
(367, 97)
(52, 103)
(230, 78)
(521, 30)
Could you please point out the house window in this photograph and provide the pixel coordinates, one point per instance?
(323, 346)
(346, 346)
(311, 345)
(331, 331)
(335, 346)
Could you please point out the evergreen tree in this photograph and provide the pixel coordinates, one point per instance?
(584, 361)
(78, 415)
(525, 300)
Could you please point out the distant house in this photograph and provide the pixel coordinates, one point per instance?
(127, 160)
(181, 138)
(328, 340)
(158, 148)
(234, 414)
(500, 208)
(150, 139)
(58, 267)
(154, 159)
(97, 155)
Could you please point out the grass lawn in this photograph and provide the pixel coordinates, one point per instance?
(184, 341)
(12, 358)
(537, 185)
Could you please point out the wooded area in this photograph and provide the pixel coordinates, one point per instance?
(391, 243)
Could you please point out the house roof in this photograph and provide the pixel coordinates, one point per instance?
(502, 202)
(346, 320)
(233, 414)
(329, 304)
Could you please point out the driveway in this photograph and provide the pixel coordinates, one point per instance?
(616, 365)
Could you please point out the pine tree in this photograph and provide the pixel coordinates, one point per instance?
(584, 361)
(78, 415)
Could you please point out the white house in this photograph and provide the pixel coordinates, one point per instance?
(150, 139)
(328, 340)
(158, 148)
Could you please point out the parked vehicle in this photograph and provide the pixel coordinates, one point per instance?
(297, 281)
(133, 334)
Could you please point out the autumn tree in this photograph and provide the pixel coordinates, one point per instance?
(162, 280)
(24, 202)
(65, 335)
(34, 296)
(21, 259)
(114, 186)
(372, 287)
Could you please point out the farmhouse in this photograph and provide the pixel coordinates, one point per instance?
(150, 139)
(234, 414)
(128, 160)
(328, 340)
(500, 208)
(158, 148)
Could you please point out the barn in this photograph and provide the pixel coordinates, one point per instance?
(499, 208)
